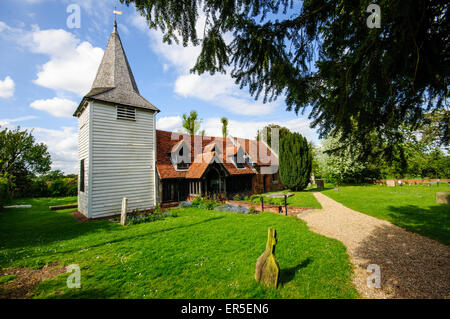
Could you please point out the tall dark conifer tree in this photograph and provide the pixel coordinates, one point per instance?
(295, 161)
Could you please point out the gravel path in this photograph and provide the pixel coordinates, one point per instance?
(412, 266)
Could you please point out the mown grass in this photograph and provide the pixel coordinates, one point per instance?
(302, 199)
(412, 207)
(199, 254)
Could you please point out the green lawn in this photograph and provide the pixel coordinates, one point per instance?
(302, 199)
(199, 254)
(411, 207)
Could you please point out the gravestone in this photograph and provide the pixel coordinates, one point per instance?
(320, 183)
(267, 269)
(123, 214)
(442, 198)
(390, 183)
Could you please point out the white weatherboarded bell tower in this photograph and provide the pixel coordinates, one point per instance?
(116, 140)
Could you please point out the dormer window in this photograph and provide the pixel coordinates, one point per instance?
(240, 163)
(181, 156)
(126, 113)
(182, 166)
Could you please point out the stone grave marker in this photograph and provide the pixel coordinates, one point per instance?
(442, 198)
(320, 183)
(267, 269)
(390, 183)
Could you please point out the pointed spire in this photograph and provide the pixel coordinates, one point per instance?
(114, 82)
(114, 70)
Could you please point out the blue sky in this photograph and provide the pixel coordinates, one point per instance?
(47, 67)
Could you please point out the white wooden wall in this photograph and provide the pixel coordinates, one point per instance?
(83, 153)
(123, 161)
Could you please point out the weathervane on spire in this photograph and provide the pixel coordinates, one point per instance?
(116, 12)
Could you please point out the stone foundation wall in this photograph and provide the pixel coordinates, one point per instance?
(415, 181)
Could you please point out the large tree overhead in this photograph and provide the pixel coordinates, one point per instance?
(322, 54)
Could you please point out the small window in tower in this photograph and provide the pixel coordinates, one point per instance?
(126, 113)
(82, 175)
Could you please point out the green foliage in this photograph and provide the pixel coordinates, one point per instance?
(4, 192)
(204, 203)
(142, 217)
(224, 121)
(295, 162)
(190, 123)
(341, 160)
(21, 157)
(57, 188)
(7, 278)
(322, 54)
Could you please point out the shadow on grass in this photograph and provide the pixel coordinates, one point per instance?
(433, 221)
(313, 190)
(30, 229)
(129, 238)
(288, 274)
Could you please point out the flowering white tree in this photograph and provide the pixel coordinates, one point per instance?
(342, 162)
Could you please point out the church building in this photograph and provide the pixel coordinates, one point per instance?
(121, 154)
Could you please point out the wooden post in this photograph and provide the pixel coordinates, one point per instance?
(123, 215)
(262, 203)
(285, 205)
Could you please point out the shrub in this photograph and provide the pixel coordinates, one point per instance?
(196, 202)
(71, 185)
(137, 217)
(39, 188)
(58, 188)
(185, 204)
(4, 192)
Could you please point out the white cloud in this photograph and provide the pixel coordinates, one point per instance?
(221, 90)
(73, 64)
(62, 145)
(248, 129)
(169, 123)
(57, 107)
(7, 88)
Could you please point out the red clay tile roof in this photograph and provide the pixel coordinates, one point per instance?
(201, 155)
